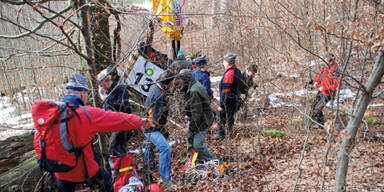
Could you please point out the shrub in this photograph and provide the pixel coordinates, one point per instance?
(272, 133)
(370, 120)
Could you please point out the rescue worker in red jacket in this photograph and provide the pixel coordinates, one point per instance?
(326, 82)
(230, 100)
(83, 130)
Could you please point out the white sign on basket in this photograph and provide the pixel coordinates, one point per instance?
(143, 75)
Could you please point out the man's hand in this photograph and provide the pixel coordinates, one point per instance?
(321, 88)
(145, 123)
(220, 109)
(242, 96)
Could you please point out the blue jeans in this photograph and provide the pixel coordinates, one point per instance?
(158, 140)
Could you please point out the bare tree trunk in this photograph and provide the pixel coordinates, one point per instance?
(354, 123)
(214, 12)
(99, 26)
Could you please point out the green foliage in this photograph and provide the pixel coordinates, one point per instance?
(272, 133)
(370, 120)
(311, 100)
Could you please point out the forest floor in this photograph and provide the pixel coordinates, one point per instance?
(263, 163)
(272, 164)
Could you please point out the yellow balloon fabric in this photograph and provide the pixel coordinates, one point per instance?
(170, 15)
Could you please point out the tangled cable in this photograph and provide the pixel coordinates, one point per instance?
(202, 171)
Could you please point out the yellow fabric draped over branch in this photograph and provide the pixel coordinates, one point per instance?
(170, 15)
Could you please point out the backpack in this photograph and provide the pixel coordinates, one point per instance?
(54, 151)
(125, 177)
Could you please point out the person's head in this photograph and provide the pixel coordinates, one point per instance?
(185, 76)
(105, 80)
(180, 55)
(330, 58)
(201, 62)
(112, 71)
(77, 85)
(167, 78)
(229, 59)
(252, 70)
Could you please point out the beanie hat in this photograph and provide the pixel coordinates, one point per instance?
(77, 82)
(230, 58)
(186, 75)
(180, 53)
(200, 61)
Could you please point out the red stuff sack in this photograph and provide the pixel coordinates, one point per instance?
(123, 168)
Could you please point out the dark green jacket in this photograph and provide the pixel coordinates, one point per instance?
(198, 107)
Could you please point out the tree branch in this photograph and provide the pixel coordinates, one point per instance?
(41, 23)
(61, 29)
(378, 94)
(22, 2)
(44, 36)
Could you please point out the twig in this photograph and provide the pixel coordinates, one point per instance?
(378, 94)
(41, 24)
(40, 35)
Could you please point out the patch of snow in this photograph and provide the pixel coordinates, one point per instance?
(216, 79)
(296, 93)
(278, 66)
(283, 74)
(281, 104)
(344, 94)
(312, 62)
(11, 123)
(146, 5)
(376, 105)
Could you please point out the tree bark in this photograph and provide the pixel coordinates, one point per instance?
(353, 125)
(99, 26)
(18, 164)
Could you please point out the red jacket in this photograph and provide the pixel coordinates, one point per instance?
(83, 130)
(327, 80)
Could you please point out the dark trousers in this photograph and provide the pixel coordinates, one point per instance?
(227, 118)
(118, 141)
(101, 178)
(318, 106)
(175, 48)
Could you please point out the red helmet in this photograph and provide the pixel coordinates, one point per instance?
(154, 188)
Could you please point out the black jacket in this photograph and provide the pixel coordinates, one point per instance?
(118, 99)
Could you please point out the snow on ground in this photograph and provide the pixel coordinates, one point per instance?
(216, 79)
(12, 124)
(284, 74)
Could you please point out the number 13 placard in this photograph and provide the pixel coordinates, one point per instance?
(143, 75)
